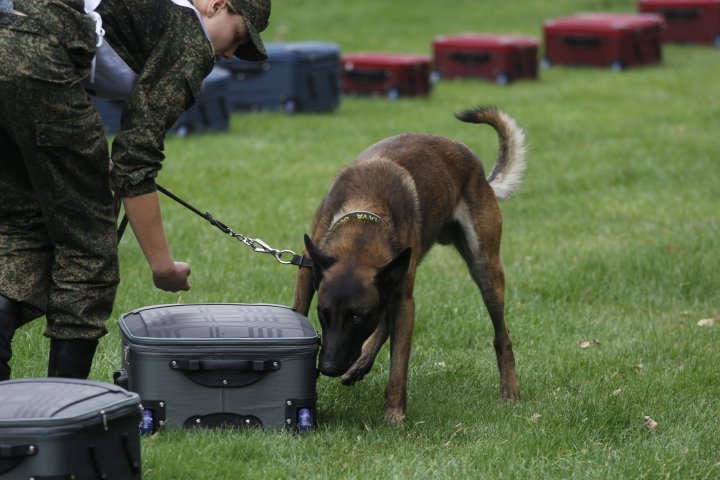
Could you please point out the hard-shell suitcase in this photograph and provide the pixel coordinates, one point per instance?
(387, 74)
(296, 77)
(498, 58)
(221, 364)
(59, 428)
(617, 41)
(210, 112)
(688, 21)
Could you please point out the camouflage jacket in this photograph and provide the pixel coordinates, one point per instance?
(166, 46)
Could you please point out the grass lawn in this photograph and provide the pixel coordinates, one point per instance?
(613, 244)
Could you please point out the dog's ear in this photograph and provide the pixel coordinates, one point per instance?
(391, 275)
(321, 261)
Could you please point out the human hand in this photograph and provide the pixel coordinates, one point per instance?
(174, 278)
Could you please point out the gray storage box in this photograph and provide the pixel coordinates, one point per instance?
(65, 428)
(221, 364)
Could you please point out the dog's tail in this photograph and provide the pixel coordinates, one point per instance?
(506, 176)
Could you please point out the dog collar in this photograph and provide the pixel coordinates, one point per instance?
(365, 216)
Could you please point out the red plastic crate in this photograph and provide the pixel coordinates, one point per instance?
(498, 58)
(388, 74)
(688, 21)
(610, 40)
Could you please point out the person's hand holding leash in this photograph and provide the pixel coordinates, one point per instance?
(174, 279)
(143, 211)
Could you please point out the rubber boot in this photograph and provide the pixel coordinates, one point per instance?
(10, 316)
(71, 358)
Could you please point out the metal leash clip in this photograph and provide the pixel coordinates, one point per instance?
(261, 247)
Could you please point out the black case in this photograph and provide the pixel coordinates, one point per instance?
(59, 428)
(208, 365)
(296, 77)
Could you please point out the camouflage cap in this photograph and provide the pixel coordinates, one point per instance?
(256, 13)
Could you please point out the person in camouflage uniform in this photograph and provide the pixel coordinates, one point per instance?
(58, 240)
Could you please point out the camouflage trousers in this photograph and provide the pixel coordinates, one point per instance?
(58, 245)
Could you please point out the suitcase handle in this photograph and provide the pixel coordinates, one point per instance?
(366, 76)
(582, 41)
(245, 69)
(12, 455)
(471, 58)
(204, 365)
(15, 451)
(681, 13)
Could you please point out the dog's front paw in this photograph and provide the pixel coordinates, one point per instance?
(394, 416)
(355, 374)
(357, 371)
(510, 395)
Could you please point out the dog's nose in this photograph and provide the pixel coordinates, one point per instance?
(330, 368)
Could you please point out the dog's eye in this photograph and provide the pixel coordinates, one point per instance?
(355, 319)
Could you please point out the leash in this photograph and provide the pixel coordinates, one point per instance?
(256, 244)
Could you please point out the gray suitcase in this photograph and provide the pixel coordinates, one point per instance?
(62, 428)
(208, 365)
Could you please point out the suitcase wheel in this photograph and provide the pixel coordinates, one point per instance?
(289, 106)
(120, 379)
(502, 79)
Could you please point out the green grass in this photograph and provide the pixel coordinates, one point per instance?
(614, 237)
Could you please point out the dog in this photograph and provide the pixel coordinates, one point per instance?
(380, 217)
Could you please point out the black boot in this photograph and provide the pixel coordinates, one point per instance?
(71, 358)
(10, 316)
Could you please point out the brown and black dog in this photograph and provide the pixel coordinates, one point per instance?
(380, 217)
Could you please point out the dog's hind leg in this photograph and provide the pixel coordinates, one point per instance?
(370, 349)
(478, 241)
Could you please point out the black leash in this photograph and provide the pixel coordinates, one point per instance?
(255, 243)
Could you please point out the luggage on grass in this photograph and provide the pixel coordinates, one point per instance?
(605, 40)
(688, 21)
(498, 58)
(208, 365)
(296, 77)
(60, 428)
(391, 75)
